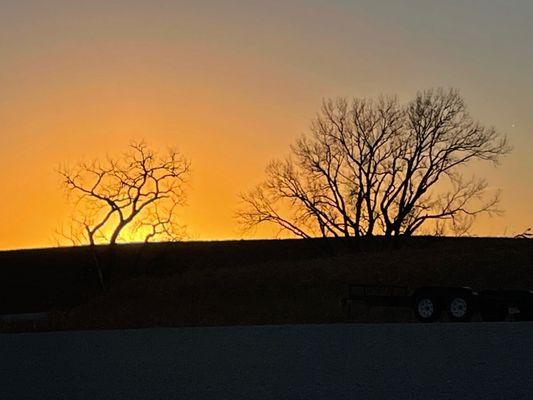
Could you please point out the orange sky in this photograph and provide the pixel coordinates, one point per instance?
(232, 86)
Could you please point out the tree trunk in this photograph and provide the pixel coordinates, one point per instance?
(98, 266)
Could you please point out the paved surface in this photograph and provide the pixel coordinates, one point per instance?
(394, 361)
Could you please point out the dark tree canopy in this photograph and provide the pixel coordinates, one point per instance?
(378, 167)
(136, 193)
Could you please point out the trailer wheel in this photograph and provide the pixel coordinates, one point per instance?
(460, 308)
(427, 308)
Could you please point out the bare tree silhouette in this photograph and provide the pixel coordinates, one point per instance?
(527, 234)
(376, 167)
(135, 193)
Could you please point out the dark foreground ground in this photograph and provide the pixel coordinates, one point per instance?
(393, 361)
(246, 282)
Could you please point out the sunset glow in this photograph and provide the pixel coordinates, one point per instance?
(232, 84)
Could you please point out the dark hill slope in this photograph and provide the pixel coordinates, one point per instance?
(247, 282)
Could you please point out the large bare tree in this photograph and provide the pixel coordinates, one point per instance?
(378, 167)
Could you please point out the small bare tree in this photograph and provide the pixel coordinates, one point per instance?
(135, 194)
(378, 167)
(527, 234)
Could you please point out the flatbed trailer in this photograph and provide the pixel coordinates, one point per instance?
(460, 304)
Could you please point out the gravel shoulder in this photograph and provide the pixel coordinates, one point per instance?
(341, 361)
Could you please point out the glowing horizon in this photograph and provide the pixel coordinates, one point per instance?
(231, 86)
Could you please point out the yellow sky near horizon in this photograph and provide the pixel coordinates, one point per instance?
(233, 85)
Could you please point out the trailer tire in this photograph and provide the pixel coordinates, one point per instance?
(427, 308)
(460, 308)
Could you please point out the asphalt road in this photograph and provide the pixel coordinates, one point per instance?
(393, 361)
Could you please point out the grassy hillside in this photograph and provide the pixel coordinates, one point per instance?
(247, 282)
